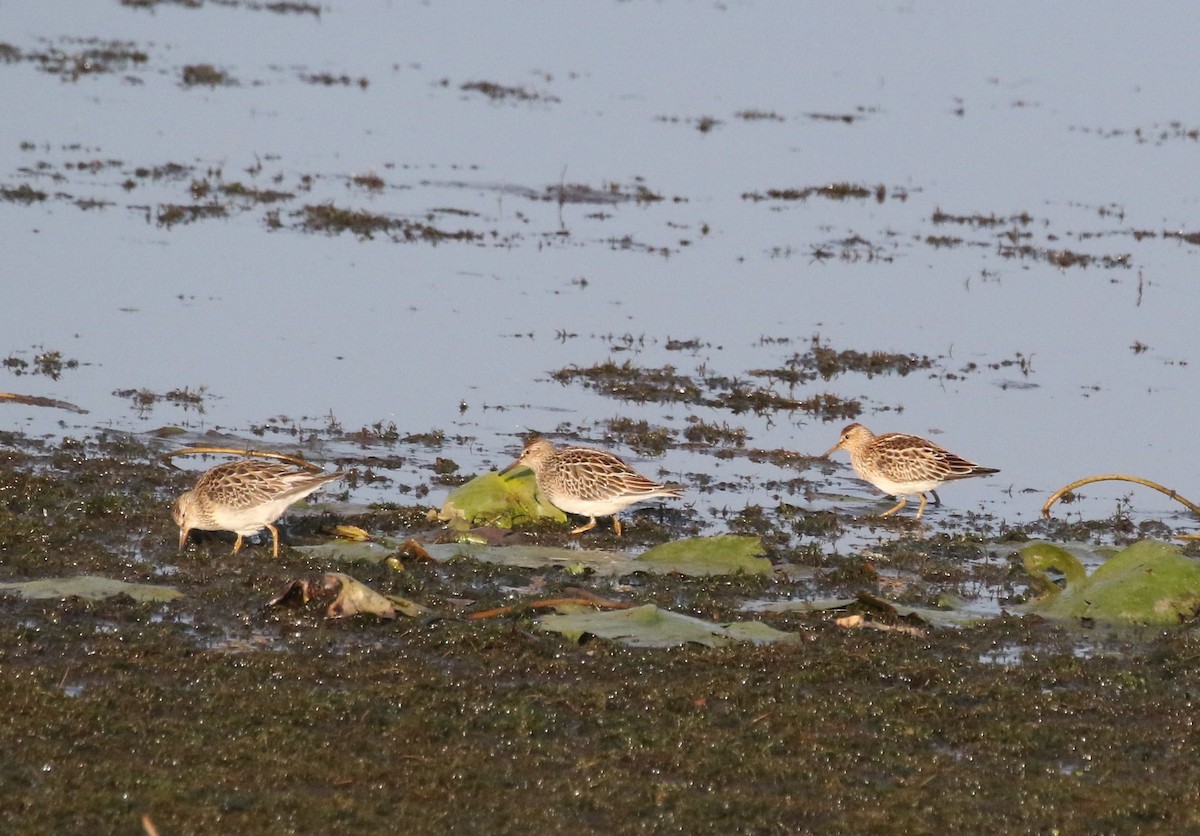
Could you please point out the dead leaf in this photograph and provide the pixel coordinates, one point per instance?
(343, 596)
(354, 597)
(413, 550)
(860, 622)
(351, 532)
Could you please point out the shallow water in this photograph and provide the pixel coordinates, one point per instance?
(1071, 126)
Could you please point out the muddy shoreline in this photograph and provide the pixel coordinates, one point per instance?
(215, 712)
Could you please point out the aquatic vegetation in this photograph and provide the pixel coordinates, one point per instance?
(1149, 583)
(649, 626)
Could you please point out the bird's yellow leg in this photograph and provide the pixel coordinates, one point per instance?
(275, 539)
(898, 506)
(588, 526)
(921, 510)
(616, 525)
(237, 546)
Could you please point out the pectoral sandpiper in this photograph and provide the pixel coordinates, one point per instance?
(588, 482)
(903, 465)
(244, 497)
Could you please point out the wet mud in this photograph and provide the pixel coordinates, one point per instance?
(216, 712)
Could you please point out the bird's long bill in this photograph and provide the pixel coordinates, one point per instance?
(514, 466)
(183, 533)
(832, 450)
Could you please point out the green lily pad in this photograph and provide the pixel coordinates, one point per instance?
(351, 551)
(648, 626)
(943, 618)
(1042, 558)
(1150, 583)
(492, 499)
(92, 588)
(727, 554)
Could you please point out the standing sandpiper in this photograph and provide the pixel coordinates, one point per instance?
(903, 465)
(245, 497)
(590, 483)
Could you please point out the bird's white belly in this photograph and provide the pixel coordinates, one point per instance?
(590, 507)
(247, 521)
(904, 488)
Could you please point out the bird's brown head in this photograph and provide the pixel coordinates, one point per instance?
(854, 437)
(180, 512)
(534, 454)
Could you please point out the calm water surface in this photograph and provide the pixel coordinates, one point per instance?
(1070, 130)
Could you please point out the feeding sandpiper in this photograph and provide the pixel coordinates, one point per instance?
(244, 497)
(903, 465)
(588, 482)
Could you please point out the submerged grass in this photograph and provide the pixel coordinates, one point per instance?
(332, 220)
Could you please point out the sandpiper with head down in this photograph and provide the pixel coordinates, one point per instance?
(244, 497)
(903, 465)
(588, 482)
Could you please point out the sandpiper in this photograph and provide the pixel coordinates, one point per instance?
(588, 482)
(903, 465)
(244, 497)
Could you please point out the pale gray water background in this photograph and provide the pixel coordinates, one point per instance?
(1077, 113)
